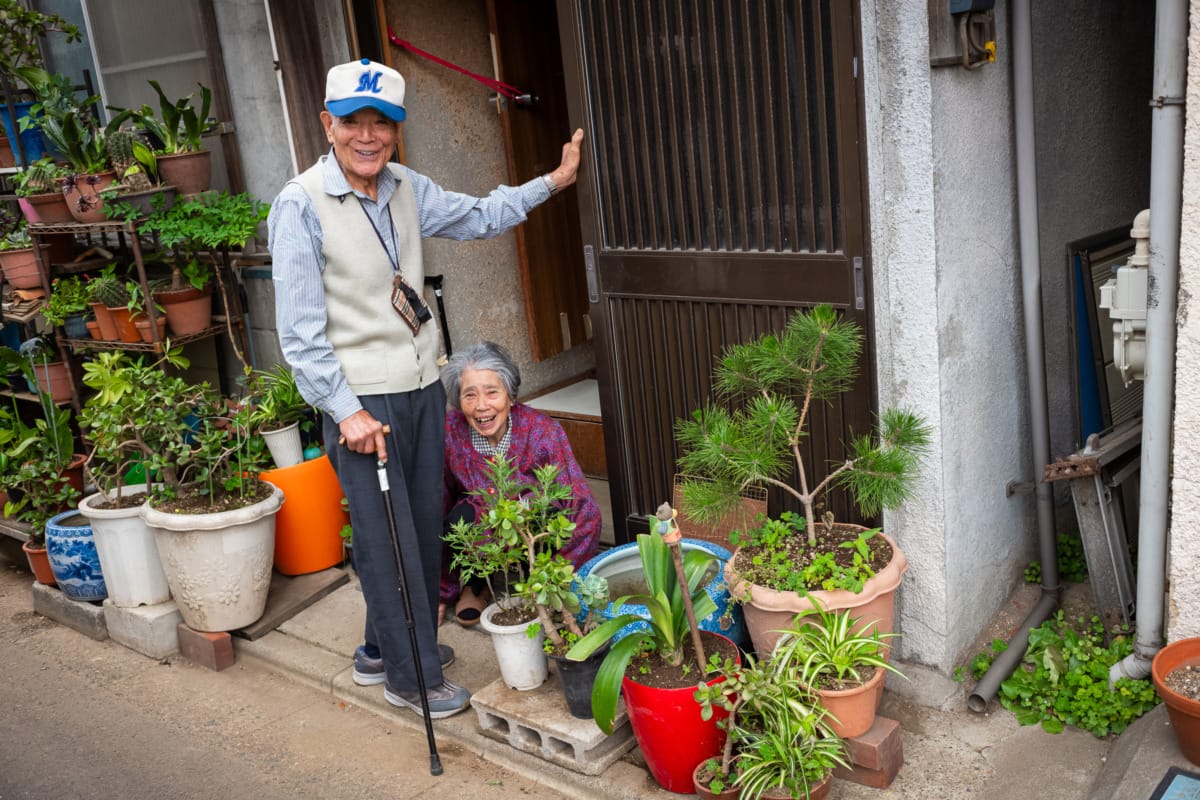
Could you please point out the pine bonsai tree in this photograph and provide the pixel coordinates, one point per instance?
(761, 442)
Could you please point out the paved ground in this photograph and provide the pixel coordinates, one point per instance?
(287, 721)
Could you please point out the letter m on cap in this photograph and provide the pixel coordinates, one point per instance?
(369, 82)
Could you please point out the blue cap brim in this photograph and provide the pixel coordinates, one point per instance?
(344, 108)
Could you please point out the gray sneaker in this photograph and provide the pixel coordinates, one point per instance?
(444, 701)
(369, 671)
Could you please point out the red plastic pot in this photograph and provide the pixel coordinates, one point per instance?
(672, 736)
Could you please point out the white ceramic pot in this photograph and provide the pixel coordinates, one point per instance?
(128, 551)
(523, 664)
(218, 565)
(285, 446)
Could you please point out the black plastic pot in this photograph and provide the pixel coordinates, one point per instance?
(577, 678)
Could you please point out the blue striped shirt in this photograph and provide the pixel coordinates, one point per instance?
(296, 242)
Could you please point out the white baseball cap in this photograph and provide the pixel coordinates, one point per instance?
(365, 84)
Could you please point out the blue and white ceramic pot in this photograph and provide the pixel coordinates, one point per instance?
(73, 557)
(622, 568)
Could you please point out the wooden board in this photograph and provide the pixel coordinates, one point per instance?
(291, 594)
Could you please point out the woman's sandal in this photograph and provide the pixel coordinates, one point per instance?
(470, 605)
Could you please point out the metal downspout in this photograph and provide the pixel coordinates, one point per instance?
(1166, 181)
(1031, 291)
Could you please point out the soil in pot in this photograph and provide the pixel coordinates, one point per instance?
(1185, 680)
(650, 669)
(190, 501)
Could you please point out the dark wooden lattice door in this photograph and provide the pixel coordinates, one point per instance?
(723, 191)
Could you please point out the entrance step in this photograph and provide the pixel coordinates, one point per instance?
(538, 722)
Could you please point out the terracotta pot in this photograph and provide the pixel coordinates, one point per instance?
(7, 157)
(53, 379)
(144, 329)
(818, 792)
(308, 526)
(853, 710)
(705, 793)
(94, 329)
(672, 736)
(105, 322)
(84, 201)
(190, 173)
(769, 611)
(20, 268)
(39, 564)
(1183, 712)
(50, 208)
(73, 472)
(187, 310)
(126, 328)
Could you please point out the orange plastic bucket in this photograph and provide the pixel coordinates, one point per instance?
(308, 525)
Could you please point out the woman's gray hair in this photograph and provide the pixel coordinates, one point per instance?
(484, 355)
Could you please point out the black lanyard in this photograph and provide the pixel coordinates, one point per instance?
(393, 260)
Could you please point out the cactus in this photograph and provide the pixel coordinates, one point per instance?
(110, 291)
(120, 145)
(39, 178)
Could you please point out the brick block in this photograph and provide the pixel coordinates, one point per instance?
(212, 650)
(876, 756)
(150, 630)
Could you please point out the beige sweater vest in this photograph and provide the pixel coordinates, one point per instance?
(377, 350)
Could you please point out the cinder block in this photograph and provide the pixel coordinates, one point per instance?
(86, 618)
(150, 630)
(212, 650)
(876, 756)
(538, 722)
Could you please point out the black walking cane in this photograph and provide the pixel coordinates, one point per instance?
(435, 762)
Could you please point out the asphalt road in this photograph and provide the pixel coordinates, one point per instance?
(87, 720)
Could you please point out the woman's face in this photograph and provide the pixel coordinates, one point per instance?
(485, 403)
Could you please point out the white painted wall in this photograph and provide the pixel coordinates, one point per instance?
(1183, 546)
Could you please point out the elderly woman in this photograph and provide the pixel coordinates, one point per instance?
(485, 420)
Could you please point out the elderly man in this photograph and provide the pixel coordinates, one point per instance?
(345, 239)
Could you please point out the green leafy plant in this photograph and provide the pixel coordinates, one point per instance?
(179, 125)
(791, 751)
(216, 221)
(69, 295)
(527, 523)
(21, 32)
(1072, 564)
(830, 650)
(780, 376)
(778, 559)
(275, 399)
(1063, 680)
(40, 177)
(667, 627)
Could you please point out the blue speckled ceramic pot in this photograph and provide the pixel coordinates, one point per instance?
(73, 557)
(622, 567)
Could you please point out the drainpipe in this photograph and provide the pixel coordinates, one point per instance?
(1166, 181)
(1031, 291)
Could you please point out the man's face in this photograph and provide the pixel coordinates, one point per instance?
(362, 142)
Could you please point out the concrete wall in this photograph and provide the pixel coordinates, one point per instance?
(1183, 600)
(947, 308)
(1093, 64)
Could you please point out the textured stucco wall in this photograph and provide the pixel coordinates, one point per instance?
(1183, 604)
(948, 324)
(454, 136)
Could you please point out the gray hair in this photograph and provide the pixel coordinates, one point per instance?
(484, 355)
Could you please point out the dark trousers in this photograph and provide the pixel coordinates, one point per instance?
(414, 470)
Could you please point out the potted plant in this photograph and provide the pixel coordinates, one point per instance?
(180, 126)
(109, 301)
(841, 661)
(1176, 675)
(21, 32)
(526, 524)
(137, 192)
(213, 520)
(191, 231)
(278, 413)
(657, 667)
(68, 304)
(18, 261)
(40, 199)
(762, 443)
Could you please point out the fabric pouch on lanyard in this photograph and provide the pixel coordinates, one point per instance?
(408, 304)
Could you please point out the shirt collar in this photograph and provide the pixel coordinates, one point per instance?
(335, 182)
(485, 448)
